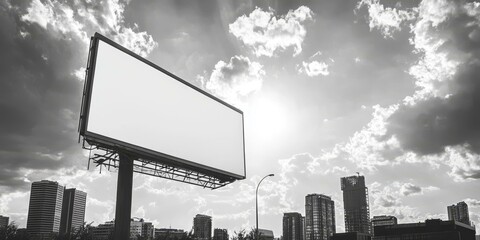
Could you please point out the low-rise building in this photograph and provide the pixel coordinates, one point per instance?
(169, 233)
(3, 221)
(104, 231)
(382, 220)
(264, 234)
(434, 229)
(351, 236)
(220, 234)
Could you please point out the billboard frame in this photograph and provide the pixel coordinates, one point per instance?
(174, 168)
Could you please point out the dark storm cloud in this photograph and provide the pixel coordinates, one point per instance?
(434, 123)
(43, 47)
(39, 97)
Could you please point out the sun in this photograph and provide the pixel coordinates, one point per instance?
(266, 119)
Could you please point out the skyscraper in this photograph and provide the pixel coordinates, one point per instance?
(202, 227)
(355, 202)
(73, 210)
(292, 226)
(319, 217)
(44, 210)
(459, 213)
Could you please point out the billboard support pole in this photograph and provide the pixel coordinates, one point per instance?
(124, 198)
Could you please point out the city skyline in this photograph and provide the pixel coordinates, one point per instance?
(319, 221)
(385, 88)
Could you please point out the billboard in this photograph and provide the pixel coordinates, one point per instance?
(132, 105)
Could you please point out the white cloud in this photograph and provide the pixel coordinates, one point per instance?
(472, 202)
(464, 164)
(6, 198)
(408, 189)
(140, 212)
(441, 53)
(102, 209)
(366, 148)
(388, 200)
(314, 68)
(265, 33)
(235, 80)
(78, 20)
(387, 20)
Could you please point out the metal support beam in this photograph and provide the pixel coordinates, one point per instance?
(124, 198)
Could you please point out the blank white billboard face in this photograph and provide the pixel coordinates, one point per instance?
(135, 103)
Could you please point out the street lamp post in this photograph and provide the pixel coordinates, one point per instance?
(256, 204)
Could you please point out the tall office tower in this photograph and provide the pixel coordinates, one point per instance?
(292, 226)
(202, 227)
(319, 217)
(382, 220)
(220, 234)
(44, 211)
(355, 202)
(303, 228)
(73, 210)
(3, 221)
(459, 213)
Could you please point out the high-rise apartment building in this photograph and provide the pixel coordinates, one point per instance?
(383, 220)
(3, 221)
(73, 210)
(220, 234)
(355, 202)
(459, 213)
(292, 226)
(44, 210)
(319, 217)
(202, 227)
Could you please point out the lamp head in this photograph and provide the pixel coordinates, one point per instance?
(271, 175)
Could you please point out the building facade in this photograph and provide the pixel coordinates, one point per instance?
(292, 226)
(319, 217)
(434, 229)
(356, 206)
(382, 221)
(3, 221)
(202, 227)
(169, 233)
(148, 230)
(45, 208)
(351, 236)
(220, 234)
(104, 231)
(459, 212)
(73, 210)
(265, 234)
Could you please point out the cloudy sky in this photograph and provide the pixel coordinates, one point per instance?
(389, 89)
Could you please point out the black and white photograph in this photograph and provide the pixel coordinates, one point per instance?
(239, 120)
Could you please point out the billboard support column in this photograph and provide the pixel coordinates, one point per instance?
(124, 198)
